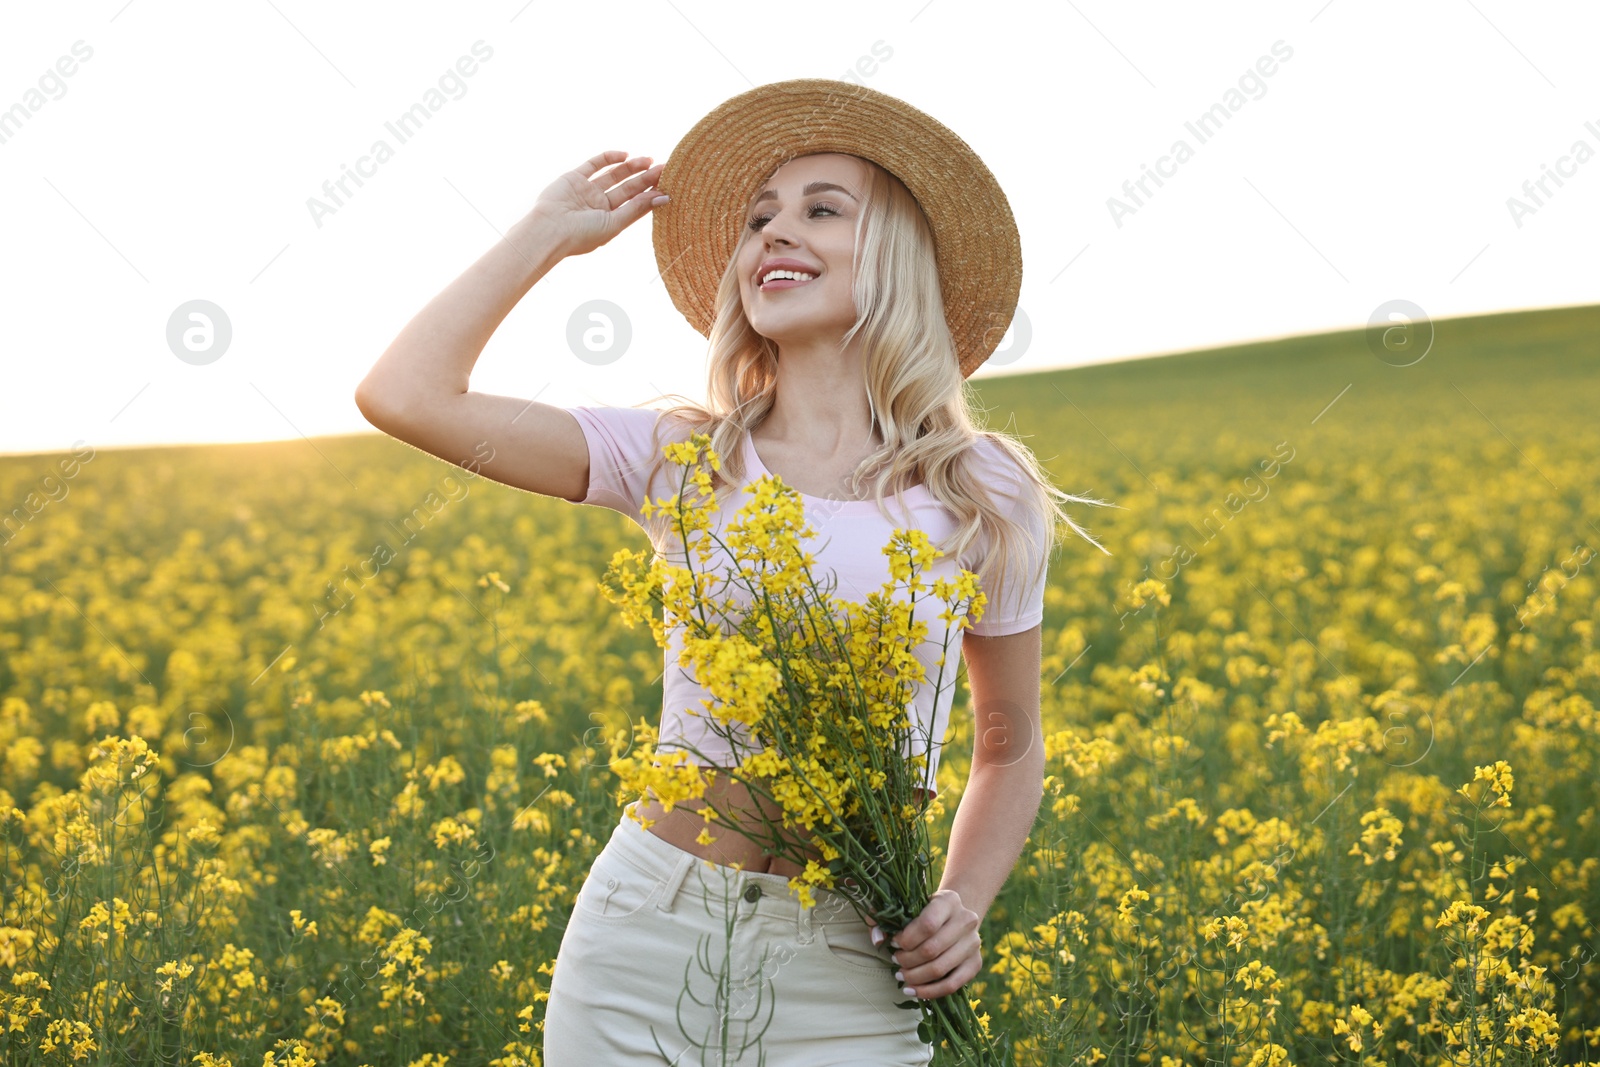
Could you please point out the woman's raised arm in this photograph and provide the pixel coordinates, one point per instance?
(418, 390)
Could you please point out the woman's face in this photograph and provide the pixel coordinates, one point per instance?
(806, 213)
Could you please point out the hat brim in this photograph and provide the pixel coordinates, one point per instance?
(716, 168)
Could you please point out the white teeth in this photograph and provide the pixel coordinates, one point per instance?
(798, 276)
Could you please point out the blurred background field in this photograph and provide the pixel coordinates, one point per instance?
(305, 744)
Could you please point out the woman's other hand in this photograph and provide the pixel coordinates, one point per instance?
(939, 951)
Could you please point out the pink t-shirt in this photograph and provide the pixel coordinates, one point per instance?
(849, 541)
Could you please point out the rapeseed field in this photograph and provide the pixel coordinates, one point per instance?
(304, 746)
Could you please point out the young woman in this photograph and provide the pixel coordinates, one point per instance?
(897, 269)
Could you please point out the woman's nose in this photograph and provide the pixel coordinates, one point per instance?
(776, 230)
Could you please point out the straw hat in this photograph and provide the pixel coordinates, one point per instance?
(720, 163)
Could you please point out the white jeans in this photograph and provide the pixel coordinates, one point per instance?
(669, 959)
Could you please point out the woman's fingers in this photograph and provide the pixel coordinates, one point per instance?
(945, 975)
(606, 179)
(947, 921)
(635, 185)
(587, 168)
(630, 212)
(935, 961)
(929, 948)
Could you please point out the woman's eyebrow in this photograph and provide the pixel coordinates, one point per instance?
(814, 187)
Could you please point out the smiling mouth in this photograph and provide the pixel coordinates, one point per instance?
(783, 279)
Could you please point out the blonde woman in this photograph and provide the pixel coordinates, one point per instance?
(851, 261)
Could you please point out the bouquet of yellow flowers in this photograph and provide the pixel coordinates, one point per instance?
(822, 685)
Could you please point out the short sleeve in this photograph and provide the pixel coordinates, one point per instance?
(1020, 605)
(622, 451)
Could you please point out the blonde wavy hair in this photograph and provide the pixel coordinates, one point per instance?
(920, 402)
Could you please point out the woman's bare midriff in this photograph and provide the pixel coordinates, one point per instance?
(733, 801)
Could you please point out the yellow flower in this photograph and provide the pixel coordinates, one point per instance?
(1130, 898)
(1498, 775)
(1359, 1019)
(1237, 930)
(1382, 833)
(1147, 590)
(1268, 1055)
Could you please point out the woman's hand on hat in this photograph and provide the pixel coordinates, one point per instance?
(588, 205)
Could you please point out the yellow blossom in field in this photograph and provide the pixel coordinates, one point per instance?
(116, 763)
(532, 818)
(329, 847)
(1268, 1055)
(502, 779)
(1283, 725)
(449, 831)
(408, 802)
(552, 763)
(1382, 833)
(170, 971)
(1237, 930)
(1150, 589)
(100, 917)
(447, 771)
(405, 966)
(15, 944)
(1257, 975)
(101, 715)
(374, 923)
(1351, 1026)
(1534, 1029)
(531, 710)
(1498, 775)
(1464, 913)
(77, 1037)
(1130, 898)
(214, 724)
(327, 1016)
(297, 1056)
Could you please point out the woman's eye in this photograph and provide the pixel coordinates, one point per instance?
(761, 220)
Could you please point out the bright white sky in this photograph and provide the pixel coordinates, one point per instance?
(175, 163)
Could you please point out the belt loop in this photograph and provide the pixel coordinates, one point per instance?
(805, 931)
(674, 880)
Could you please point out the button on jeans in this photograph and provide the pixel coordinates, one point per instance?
(669, 958)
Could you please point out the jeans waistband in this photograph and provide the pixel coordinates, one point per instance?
(688, 875)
